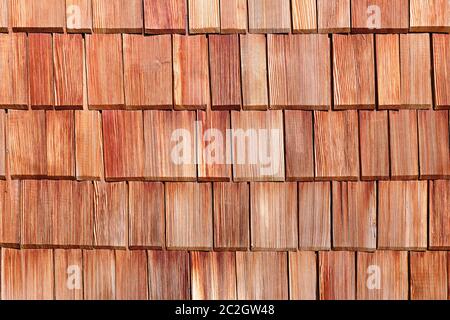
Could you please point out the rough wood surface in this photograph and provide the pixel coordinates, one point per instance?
(380, 15)
(204, 16)
(68, 274)
(302, 275)
(165, 16)
(429, 16)
(441, 68)
(333, 16)
(3, 145)
(304, 16)
(337, 275)
(269, 16)
(10, 214)
(99, 275)
(428, 275)
(439, 202)
(110, 16)
(33, 16)
(233, 16)
(131, 275)
(79, 16)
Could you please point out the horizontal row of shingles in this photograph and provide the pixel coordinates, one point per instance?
(214, 146)
(393, 215)
(141, 275)
(227, 16)
(283, 72)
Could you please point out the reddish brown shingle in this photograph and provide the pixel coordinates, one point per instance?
(380, 15)
(269, 16)
(302, 275)
(428, 275)
(441, 68)
(304, 16)
(33, 16)
(99, 275)
(117, 16)
(68, 274)
(165, 16)
(337, 275)
(429, 16)
(439, 202)
(79, 16)
(333, 16)
(131, 275)
(233, 16)
(204, 16)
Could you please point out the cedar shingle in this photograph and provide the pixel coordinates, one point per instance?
(213, 275)
(10, 214)
(354, 71)
(233, 16)
(117, 16)
(262, 275)
(441, 60)
(99, 275)
(4, 16)
(299, 145)
(79, 16)
(169, 140)
(204, 16)
(402, 215)
(165, 16)
(231, 215)
(131, 275)
(434, 144)
(302, 275)
(354, 215)
(14, 86)
(40, 68)
(105, 71)
(68, 64)
(254, 71)
(168, 275)
(429, 16)
(333, 16)
(304, 16)
(336, 145)
(299, 71)
(273, 216)
(337, 275)
(314, 224)
(380, 15)
(189, 216)
(258, 145)
(3, 147)
(374, 144)
(146, 215)
(123, 144)
(68, 274)
(439, 230)
(404, 153)
(27, 143)
(269, 16)
(428, 275)
(382, 275)
(190, 70)
(225, 71)
(148, 71)
(34, 16)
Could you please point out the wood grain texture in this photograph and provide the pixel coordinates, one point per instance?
(123, 144)
(148, 71)
(393, 16)
(3, 146)
(146, 215)
(439, 202)
(131, 275)
(10, 214)
(213, 275)
(225, 72)
(88, 145)
(429, 16)
(168, 275)
(111, 16)
(269, 16)
(169, 155)
(189, 216)
(165, 16)
(314, 224)
(354, 71)
(402, 215)
(434, 144)
(99, 275)
(336, 145)
(110, 215)
(404, 153)
(231, 215)
(190, 70)
(60, 128)
(441, 67)
(374, 145)
(354, 215)
(299, 71)
(40, 68)
(299, 145)
(337, 275)
(404, 71)
(258, 146)
(27, 274)
(204, 16)
(233, 16)
(105, 71)
(333, 16)
(304, 16)
(213, 151)
(254, 72)
(79, 16)
(302, 275)
(262, 275)
(4, 19)
(14, 87)
(27, 143)
(273, 216)
(428, 275)
(392, 269)
(68, 274)
(33, 16)
(68, 71)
